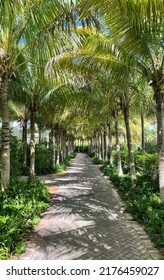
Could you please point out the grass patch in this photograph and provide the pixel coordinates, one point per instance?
(62, 166)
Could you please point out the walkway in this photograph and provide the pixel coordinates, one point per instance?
(86, 221)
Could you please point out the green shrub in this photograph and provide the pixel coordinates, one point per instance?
(149, 211)
(147, 167)
(60, 168)
(147, 164)
(81, 149)
(43, 160)
(151, 147)
(91, 154)
(97, 161)
(21, 205)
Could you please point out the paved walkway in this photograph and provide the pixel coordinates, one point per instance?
(86, 221)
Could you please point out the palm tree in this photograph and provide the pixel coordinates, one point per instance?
(136, 29)
(19, 22)
(35, 24)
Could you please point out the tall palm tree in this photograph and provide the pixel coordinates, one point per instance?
(19, 22)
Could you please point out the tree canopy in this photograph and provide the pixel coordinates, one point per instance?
(83, 70)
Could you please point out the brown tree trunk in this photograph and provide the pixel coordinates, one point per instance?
(5, 151)
(93, 143)
(102, 144)
(72, 144)
(160, 139)
(110, 143)
(129, 144)
(119, 163)
(99, 145)
(32, 145)
(69, 145)
(105, 142)
(64, 145)
(57, 145)
(24, 140)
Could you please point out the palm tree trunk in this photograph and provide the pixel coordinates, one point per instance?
(64, 144)
(129, 144)
(5, 156)
(58, 146)
(32, 146)
(72, 144)
(106, 142)
(99, 145)
(69, 145)
(24, 140)
(160, 140)
(102, 144)
(160, 128)
(143, 132)
(93, 143)
(53, 146)
(119, 163)
(110, 143)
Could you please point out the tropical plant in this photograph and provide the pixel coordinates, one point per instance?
(135, 28)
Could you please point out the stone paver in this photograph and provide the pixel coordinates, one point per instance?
(86, 221)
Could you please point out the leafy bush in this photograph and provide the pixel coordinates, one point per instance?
(82, 149)
(20, 207)
(149, 211)
(147, 167)
(97, 161)
(124, 156)
(91, 155)
(147, 164)
(151, 147)
(43, 160)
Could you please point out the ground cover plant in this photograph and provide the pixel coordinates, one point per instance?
(20, 208)
(63, 165)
